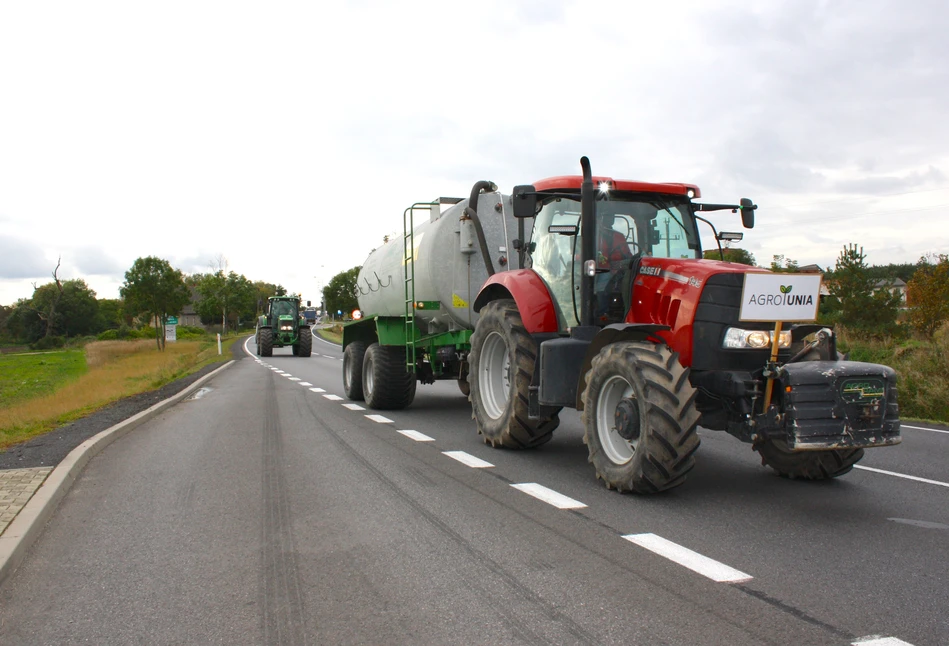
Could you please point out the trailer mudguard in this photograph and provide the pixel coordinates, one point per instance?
(839, 404)
(530, 293)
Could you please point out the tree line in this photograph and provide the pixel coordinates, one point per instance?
(152, 291)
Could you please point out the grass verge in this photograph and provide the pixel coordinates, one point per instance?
(110, 370)
(333, 334)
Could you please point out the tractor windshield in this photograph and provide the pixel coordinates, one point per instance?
(627, 227)
(283, 308)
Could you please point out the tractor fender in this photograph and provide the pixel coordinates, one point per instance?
(534, 302)
(615, 333)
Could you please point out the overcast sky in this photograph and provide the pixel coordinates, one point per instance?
(288, 138)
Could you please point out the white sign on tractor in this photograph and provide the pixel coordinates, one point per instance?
(780, 297)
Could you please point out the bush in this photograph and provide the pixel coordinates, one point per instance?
(49, 343)
(190, 332)
(109, 335)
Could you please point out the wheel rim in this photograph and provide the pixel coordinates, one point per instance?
(618, 449)
(495, 375)
(367, 376)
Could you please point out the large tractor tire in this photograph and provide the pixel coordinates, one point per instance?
(501, 365)
(265, 343)
(386, 384)
(806, 465)
(353, 357)
(304, 347)
(639, 417)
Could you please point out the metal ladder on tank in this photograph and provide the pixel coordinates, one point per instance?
(408, 263)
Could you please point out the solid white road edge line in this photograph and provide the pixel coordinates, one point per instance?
(549, 496)
(380, 419)
(468, 459)
(418, 437)
(687, 558)
(921, 428)
(902, 475)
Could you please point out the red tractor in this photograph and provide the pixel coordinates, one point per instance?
(614, 312)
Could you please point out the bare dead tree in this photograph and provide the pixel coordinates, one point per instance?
(49, 315)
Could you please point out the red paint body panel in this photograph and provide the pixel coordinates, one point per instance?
(667, 292)
(572, 183)
(530, 293)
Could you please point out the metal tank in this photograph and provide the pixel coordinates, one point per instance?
(449, 261)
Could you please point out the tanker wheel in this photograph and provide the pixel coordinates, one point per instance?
(639, 417)
(386, 384)
(305, 347)
(353, 357)
(265, 344)
(806, 465)
(501, 365)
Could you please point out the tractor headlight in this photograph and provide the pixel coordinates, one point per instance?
(286, 327)
(739, 339)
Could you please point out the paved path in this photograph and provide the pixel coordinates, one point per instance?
(17, 486)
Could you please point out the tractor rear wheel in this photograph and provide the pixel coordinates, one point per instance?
(806, 465)
(501, 368)
(639, 417)
(353, 357)
(304, 347)
(265, 344)
(386, 384)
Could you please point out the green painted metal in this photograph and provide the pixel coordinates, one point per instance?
(408, 260)
(427, 305)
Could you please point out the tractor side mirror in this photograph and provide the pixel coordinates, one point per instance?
(748, 213)
(525, 201)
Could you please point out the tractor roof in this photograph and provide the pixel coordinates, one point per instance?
(572, 182)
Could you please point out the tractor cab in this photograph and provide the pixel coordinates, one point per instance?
(629, 226)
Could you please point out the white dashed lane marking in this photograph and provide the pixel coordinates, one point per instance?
(380, 419)
(333, 398)
(687, 558)
(318, 390)
(468, 459)
(294, 378)
(353, 407)
(549, 496)
(880, 641)
(305, 383)
(418, 437)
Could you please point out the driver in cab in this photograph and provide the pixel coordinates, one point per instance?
(613, 257)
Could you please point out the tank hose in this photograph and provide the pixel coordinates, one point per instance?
(472, 212)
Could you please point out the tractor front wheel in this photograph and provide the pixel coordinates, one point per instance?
(806, 465)
(639, 417)
(501, 368)
(353, 357)
(304, 346)
(386, 384)
(265, 342)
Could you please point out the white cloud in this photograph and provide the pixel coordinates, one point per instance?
(289, 139)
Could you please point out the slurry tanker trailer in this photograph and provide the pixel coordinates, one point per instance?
(591, 293)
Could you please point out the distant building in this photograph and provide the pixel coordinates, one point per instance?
(894, 286)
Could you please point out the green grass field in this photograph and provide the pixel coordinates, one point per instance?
(39, 392)
(24, 376)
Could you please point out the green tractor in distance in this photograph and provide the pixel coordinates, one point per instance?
(283, 324)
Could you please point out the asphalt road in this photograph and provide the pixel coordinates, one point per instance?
(270, 510)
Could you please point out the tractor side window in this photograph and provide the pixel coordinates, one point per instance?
(554, 253)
